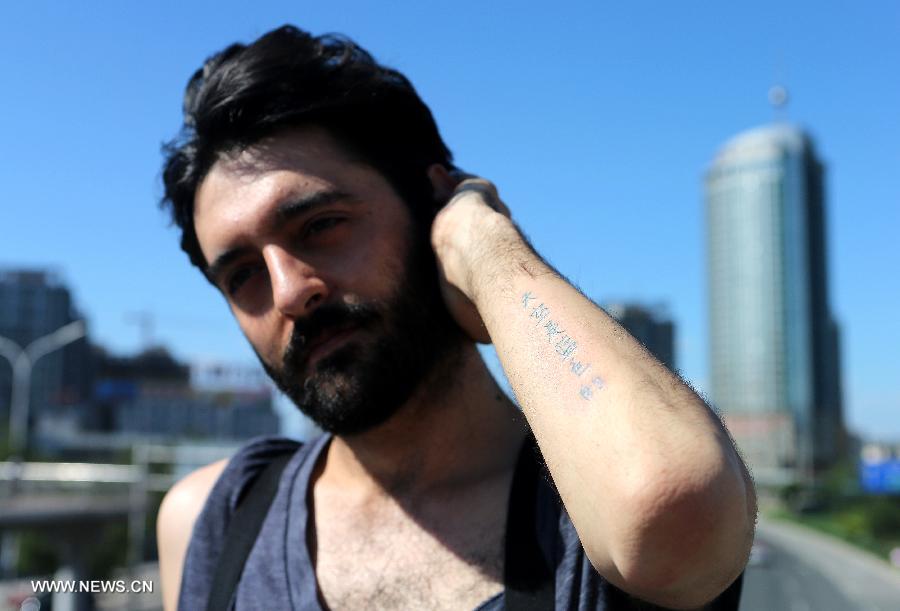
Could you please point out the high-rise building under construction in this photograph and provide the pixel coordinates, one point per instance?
(774, 354)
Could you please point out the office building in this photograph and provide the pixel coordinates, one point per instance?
(775, 371)
(151, 395)
(35, 303)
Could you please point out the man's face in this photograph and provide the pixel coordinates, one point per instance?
(326, 275)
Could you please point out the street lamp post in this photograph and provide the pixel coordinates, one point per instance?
(22, 361)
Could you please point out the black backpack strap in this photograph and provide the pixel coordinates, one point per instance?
(243, 528)
(530, 584)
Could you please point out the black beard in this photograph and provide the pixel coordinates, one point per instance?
(363, 383)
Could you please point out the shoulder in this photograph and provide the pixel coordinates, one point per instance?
(218, 484)
(175, 522)
(185, 499)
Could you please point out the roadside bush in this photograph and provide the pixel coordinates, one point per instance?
(884, 517)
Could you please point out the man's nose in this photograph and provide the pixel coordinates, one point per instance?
(297, 289)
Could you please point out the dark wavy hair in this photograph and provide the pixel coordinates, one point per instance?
(289, 78)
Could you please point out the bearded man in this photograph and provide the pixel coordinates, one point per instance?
(312, 188)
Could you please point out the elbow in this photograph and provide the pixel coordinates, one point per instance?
(685, 536)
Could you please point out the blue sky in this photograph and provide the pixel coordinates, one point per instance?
(596, 121)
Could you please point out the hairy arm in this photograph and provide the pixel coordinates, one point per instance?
(663, 505)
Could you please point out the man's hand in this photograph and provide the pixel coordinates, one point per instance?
(472, 216)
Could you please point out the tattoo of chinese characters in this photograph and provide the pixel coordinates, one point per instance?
(564, 344)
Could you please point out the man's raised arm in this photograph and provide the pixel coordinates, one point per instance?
(663, 505)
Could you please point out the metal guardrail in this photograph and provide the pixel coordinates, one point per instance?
(75, 474)
(82, 475)
(69, 472)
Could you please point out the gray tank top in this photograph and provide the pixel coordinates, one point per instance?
(279, 575)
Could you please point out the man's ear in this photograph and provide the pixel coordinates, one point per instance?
(443, 183)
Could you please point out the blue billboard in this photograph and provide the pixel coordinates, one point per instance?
(880, 477)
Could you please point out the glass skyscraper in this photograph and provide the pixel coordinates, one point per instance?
(773, 342)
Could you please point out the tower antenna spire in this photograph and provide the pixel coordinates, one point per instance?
(778, 93)
(778, 98)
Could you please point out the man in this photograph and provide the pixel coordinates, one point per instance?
(313, 190)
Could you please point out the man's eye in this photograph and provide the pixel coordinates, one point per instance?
(239, 277)
(323, 224)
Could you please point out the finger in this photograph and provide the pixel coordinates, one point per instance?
(488, 192)
(478, 184)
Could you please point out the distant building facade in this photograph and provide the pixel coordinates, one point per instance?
(153, 398)
(81, 389)
(650, 325)
(35, 303)
(774, 344)
(152, 395)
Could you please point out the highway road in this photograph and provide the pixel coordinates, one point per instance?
(797, 569)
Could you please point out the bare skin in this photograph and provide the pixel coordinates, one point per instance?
(175, 522)
(431, 531)
(661, 502)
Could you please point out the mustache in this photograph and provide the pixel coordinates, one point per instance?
(324, 319)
